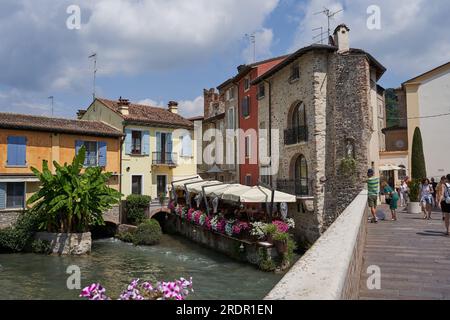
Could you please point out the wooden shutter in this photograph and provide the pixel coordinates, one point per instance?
(102, 153)
(128, 141)
(146, 143)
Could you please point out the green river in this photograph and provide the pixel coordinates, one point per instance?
(114, 264)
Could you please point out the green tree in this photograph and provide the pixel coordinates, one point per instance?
(71, 200)
(418, 168)
(392, 108)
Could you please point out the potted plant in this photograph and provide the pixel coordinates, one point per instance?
(270, 230)
(280, 240)
(70, 202)
(414, 194)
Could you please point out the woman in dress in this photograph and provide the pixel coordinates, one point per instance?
(443, 197)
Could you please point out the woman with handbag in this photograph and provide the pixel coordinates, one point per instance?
(444, 202)
(426, 198)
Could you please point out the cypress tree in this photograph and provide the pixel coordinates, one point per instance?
(418, 170)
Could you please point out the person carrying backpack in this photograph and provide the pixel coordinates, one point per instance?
(444, 203)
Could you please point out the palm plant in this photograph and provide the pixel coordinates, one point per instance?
(71, 200)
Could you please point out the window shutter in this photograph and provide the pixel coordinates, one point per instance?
(2, 195)
(17, 147)
(12, 151)
(102, 153)
(158, 146)
(128, 141)
(78, 145)
(146, 143)
(187, 146)
(169, 146)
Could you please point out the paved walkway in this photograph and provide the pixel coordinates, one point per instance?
(413, 255)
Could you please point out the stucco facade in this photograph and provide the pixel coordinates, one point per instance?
(144, 165)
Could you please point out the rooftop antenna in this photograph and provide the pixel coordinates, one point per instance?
(320, 35)
(330, 15)
(52, 98)
(94, 56)
(252, 39)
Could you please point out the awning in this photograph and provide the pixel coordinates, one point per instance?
(389, 167)
(234, 193)
(18, 179)
(218, 191)
(180, 184)
(263, 195)
(197, 187)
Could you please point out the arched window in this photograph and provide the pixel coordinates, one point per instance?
(297, 127)
(301, 176)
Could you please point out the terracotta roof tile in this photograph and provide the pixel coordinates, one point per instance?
(148, 115)
(47, 124)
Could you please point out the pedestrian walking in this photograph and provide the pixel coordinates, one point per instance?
(444, 202)
(403, 194)
(392, 198)
(434, 186)
(426, 198)
(373, 186)
(439, 193)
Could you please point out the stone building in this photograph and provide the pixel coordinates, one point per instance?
(323, 101)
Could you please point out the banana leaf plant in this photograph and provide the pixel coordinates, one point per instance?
(72, 200)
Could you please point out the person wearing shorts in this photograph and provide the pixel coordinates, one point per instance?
(444, 194)
(373, 186)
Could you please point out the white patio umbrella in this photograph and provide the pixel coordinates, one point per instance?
(234, 193)
(180, 184)
(218, 191)
(260, 194)
(389, 167)
(197, 186)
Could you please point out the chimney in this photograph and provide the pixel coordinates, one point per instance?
(341, 38)
(124, 106)
(173, 107)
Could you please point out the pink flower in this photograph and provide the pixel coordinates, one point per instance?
(281, 226)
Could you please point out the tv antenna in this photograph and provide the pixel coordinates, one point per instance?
(94, 57)
(252, 39)
(52, 98)
(330, 15)
(320, 35)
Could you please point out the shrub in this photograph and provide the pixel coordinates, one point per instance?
(270, 229)
(414, 190)
(125, 237)
(148, 233)
(20, 235)
(41, 246)
(136, 206)
(72, 200)
(418, 168)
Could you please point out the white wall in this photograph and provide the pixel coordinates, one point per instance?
(434, 98)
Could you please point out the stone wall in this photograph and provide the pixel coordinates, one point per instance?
(8, 218)
(240, 250)
(331, 269)
(113, 215)
(67, 243)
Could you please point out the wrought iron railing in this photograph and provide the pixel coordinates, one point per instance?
(165, 158)
(295, 135)
(299, 187)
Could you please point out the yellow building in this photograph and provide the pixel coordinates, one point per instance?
(158, 147)
(25, 141)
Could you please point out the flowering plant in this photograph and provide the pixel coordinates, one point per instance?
(197, 215)
(202, 219)
(240, 226)
(171, 205)
(258, 229)
(229, 226)
(184, 213)
(207, 223)
(290, 222)
(282, 227)
(218, 224)
(176, 290)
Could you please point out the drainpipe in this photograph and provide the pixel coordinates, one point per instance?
(122, 139)
(270, 127)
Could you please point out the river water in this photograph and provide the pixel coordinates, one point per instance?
(114, 264)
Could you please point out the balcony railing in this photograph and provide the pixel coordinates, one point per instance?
(299, 187)
(165, 159)
(295, 135)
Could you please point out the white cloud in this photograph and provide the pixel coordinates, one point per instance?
(191, 108)
(186, 108)
(263, 45)
(413, 36)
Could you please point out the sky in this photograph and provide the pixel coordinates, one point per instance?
(155, 51)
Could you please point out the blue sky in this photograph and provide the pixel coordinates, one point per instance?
(153, 51)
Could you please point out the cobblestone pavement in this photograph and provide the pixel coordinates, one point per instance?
(413, 255)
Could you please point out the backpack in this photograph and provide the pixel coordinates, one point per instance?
(447, 195)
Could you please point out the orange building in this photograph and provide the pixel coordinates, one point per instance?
(25, 141)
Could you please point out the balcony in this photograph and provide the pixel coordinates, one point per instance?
(299, 188)
(165, 159)
(295, 135)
